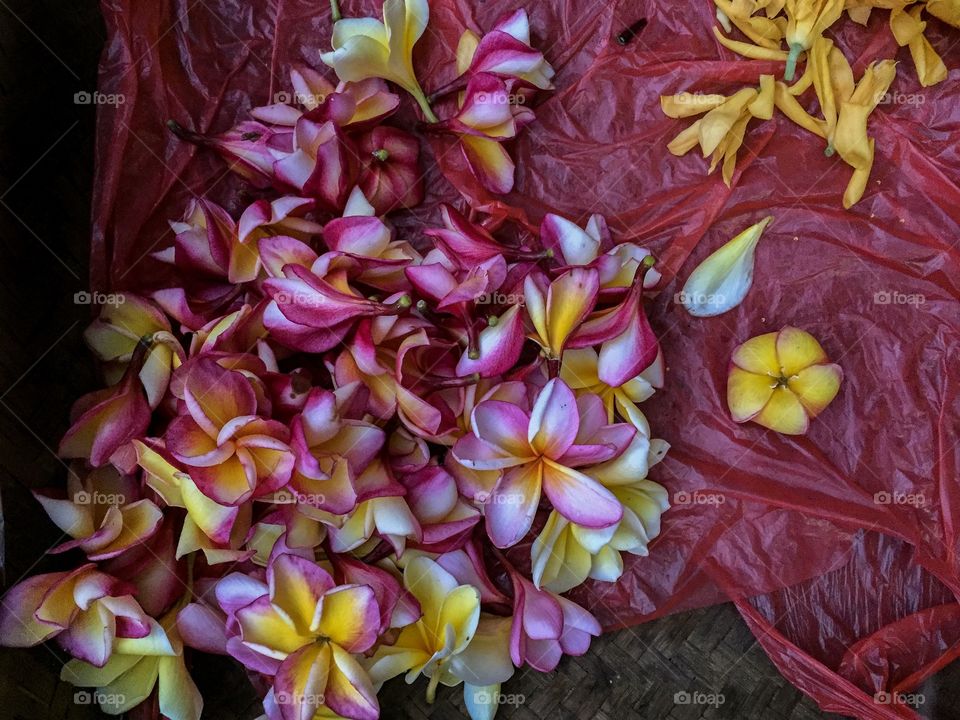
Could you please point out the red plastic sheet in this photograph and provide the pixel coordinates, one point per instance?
(850, 593)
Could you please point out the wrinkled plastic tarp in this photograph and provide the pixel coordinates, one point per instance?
(848, 594)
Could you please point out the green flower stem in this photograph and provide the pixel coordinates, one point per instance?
(792, 58)
(335, 10)
(425, 106)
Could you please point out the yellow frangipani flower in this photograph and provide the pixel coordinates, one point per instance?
(781, 380)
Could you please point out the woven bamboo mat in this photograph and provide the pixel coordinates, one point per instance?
(49, 51)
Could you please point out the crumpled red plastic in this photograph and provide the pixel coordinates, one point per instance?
(849, 596)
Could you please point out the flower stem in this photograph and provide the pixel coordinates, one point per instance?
(425, 107)
(335, 10)
(792, 58)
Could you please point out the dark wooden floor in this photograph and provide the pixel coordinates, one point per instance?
(48, 52)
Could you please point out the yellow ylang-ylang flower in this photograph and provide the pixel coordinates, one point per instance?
(764, 31)
(946, 10)
(781, 381)
(850, 138)
(907, 28)
(720, 131)
(806, 21)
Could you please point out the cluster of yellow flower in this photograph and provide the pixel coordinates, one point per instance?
(844, 104)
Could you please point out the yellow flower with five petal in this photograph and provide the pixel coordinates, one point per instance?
(781, 380)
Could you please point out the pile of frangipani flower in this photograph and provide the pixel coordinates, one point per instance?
(319, 446)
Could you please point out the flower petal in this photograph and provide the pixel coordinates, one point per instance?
(350, 617)
(748, 393)
(554, 420)
(784, 413)
(797, 350)
(513, 504)
(580, 498)
(758, 355)
(722, 281)
(817, 386)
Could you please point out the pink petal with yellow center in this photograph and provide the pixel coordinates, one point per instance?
(570, 299)
(191, 444)
(300, 683)
(554, 421)
(349, 691)
(489, 162)
(265, 629)
(758, 355)
(513, 504)
(139, 521)
(797, 350)
(817, 386)
(748, 393)
(784, 413)
(229, 483)
(580, 498)
(350, 617)
(90, 636)
(479, 455)
(504, 426)
(296, 586)
(214, 395)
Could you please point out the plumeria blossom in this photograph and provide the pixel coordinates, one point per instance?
(565, 554)
(206, 247)
(781, 381)
(390, 174)
(556, 308)
(588, 246)
(322, 163)
(251, 148)
(283, 216)
(86, 610)
(539, 452)
(121, 327)
(505, 51)
(581, 371)
(322, 413)
(331, 450)
(547, 626)
(489, 115)
(308, 630)
(367, 48)
(137, 668)
(231, 453)
(103, 513)
(349, 104)
(105, 421)
(447, 644)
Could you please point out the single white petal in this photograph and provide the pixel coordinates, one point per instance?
(721, 281)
